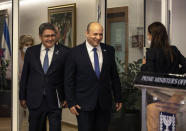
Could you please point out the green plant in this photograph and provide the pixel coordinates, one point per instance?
(131, 95)
(3, 67)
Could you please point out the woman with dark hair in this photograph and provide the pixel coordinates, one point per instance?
(161, 57)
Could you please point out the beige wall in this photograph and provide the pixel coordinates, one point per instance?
(178, 25)
(34, 13)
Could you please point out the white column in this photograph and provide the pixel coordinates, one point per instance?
(164, 9)
(170, 21)
(15, 30)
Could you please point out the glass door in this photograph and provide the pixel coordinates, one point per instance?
(117, 31)
(5, 65)
(125, 32)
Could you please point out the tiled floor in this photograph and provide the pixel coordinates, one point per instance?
(5, 125)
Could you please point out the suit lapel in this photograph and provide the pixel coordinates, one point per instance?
(87, 58)
(37, 56)
(55, 53)
(104, 53)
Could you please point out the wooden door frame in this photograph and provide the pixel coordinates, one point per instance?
(119, 14)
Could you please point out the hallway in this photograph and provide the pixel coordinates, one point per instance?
(5, 125)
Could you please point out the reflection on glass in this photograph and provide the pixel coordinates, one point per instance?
(5, 59)
(117, 39)
(125, 33)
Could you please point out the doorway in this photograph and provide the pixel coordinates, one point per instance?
(117, 31)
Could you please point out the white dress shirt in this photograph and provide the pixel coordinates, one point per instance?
(43, 52)
(91, 54)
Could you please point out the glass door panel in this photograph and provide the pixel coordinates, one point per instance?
(5, 65)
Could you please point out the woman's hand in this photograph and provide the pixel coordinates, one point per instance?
(144, 61)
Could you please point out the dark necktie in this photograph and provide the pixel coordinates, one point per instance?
(96, 62)
(46, 61)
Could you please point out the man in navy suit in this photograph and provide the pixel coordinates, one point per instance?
(90, 79)
(42, 81)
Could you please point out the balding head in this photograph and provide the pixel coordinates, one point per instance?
(93, 24)
(94, 33)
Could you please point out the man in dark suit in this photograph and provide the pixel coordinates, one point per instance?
(90, 78)
(41, 86)
(58, 35)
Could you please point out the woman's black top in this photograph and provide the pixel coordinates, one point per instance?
(158, 62)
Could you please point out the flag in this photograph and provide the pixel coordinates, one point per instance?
(6, 41)
(98, 10)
